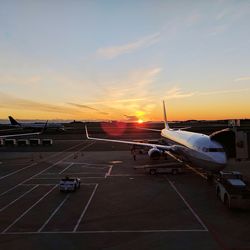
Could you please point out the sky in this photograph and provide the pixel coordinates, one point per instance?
(111, 59)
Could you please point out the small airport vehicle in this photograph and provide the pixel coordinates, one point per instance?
(232, 190)
(69, 184)
(165, 168)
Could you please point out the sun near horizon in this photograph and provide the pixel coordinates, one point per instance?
(195, 57)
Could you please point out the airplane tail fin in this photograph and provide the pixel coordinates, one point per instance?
(165, 116)
(14, 122)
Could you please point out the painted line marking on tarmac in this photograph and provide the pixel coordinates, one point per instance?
(23, 214)
(3, 208)
(39, 172)
(127, 175)
(188, 166)
(53, 184)
(72, 173)
(14, 172)
(85, 209)
(66, 168)
(196, 171)
(53, 178)
(109, 172)
(55, 211)
(57, 162)
(90, 164)
(114, 231)
(32, 184)
(187, 204)
(33, 164)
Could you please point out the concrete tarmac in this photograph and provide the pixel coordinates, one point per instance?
(117, 207)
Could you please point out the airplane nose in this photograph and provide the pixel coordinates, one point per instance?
(221, 158)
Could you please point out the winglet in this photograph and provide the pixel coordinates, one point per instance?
(86, 130)
(165, 116)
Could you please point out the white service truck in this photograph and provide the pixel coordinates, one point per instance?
(69, 184)
(232, 190)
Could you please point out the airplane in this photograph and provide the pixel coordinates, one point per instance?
(35, 125)
(26, 134)
(198, 149)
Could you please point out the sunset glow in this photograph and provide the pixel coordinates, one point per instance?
(111, 60)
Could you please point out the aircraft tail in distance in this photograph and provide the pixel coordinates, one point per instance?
(165, 116)
(14, 122)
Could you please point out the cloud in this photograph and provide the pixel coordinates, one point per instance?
(226, 91)
(244, 78)
(137, 85)
(117, 101)
(11, 102)
(176, 92)
(115, 51)
(87, 107)
(19, 79)
(131, 118)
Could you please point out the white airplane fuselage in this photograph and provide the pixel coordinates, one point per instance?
(197, 148)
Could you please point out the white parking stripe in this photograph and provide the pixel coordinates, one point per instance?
(33, 164)
(14, 172)
(114, 231)
(187, 204)
(90, 164)
(53, 184)
(72, 173)
(55, 211)
(3, 208)
(23, 214)
(109, 172)
(54, 178)
(66, 168)
(85, 209)
(33, 184)
(66, 157)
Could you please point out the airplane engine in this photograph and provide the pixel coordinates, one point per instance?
(154, 153)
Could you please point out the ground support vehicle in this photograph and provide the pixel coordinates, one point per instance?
(232, 190)
(69, 184)
(164, 168)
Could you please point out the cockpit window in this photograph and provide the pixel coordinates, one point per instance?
(213, 149)
(216, 150)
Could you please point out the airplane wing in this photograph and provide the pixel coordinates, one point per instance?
(26, 134)
(183, 128)
(159, 130)
(10, 129)
(151, 145)
(150, 129)
(18, 135)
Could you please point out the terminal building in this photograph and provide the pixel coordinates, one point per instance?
(235, 140)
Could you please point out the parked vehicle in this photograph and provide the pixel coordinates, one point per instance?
(69, 184)
(163, 168)
(232, 190)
